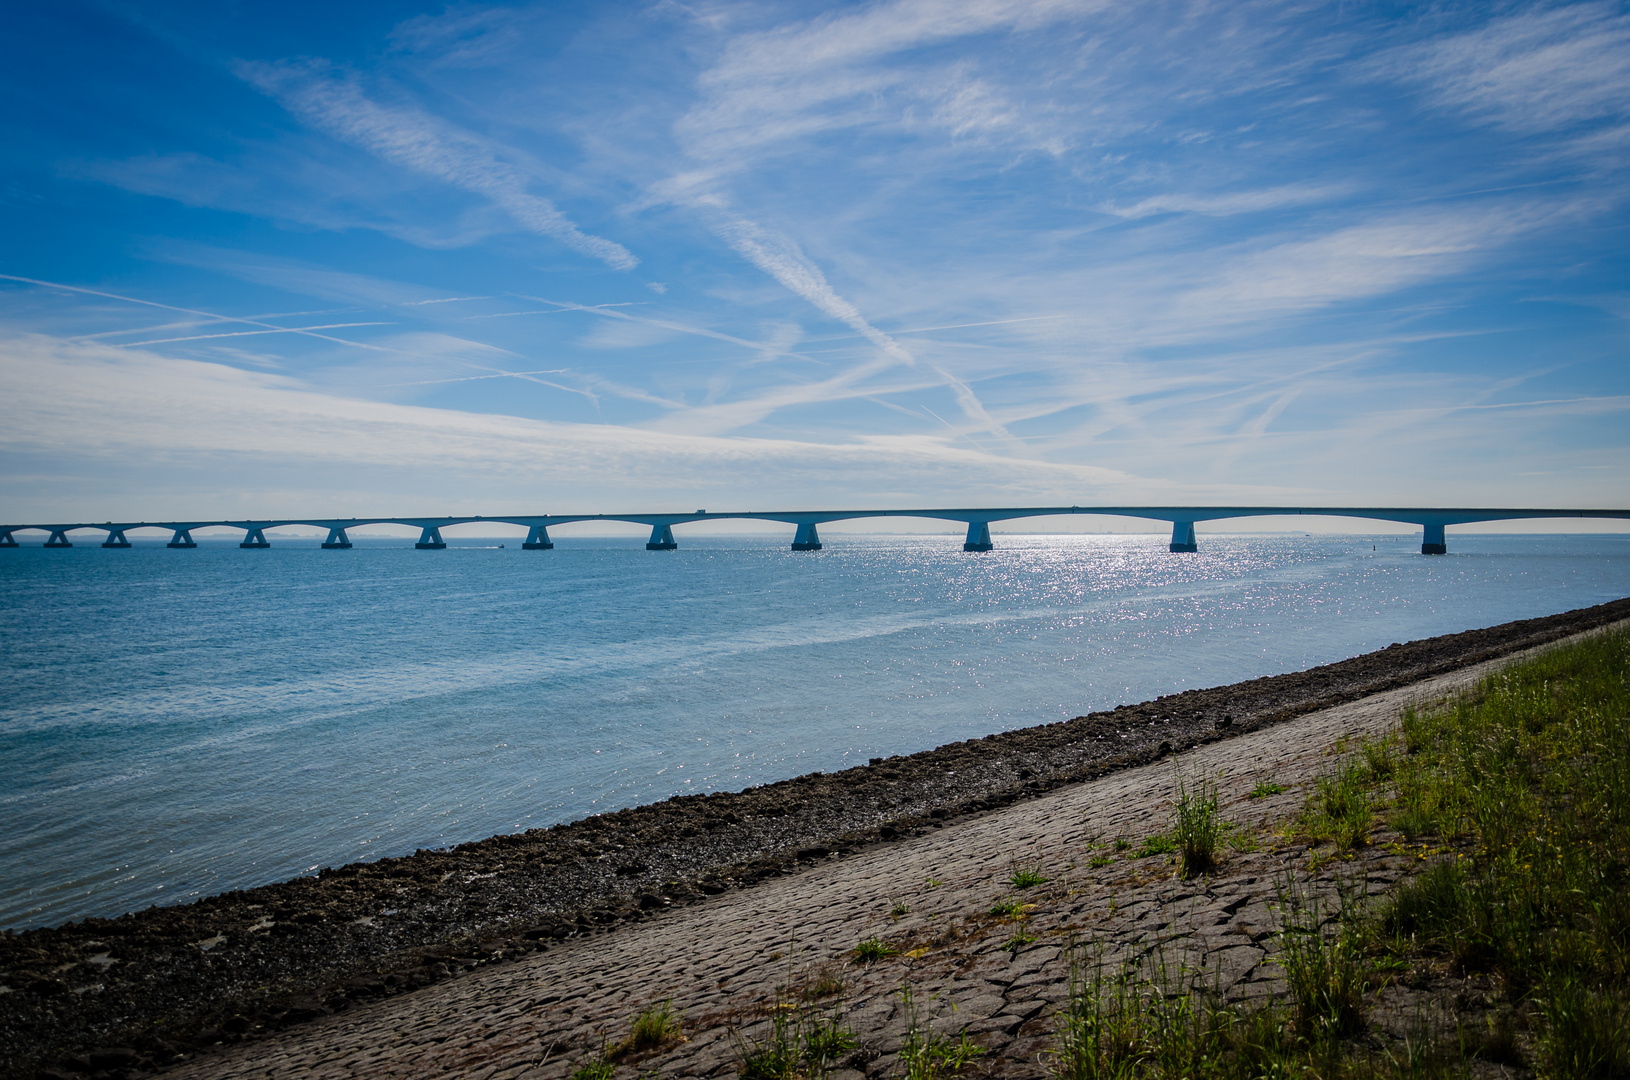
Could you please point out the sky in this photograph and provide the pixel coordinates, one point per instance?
(365, 258)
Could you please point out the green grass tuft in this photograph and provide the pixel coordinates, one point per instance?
(1197, 827)
(1026, 875)
(874, 949)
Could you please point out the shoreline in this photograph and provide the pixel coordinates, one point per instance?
(293, 951)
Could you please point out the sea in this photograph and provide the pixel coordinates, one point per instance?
(178, 723)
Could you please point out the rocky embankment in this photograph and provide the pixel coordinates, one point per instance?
(123, 996)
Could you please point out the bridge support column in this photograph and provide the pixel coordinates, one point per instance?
(182, 539)
(58, 539)
(978, 537)
(255, 538)
(537, 539)
(662, 539)
(1183, 536)
(430, 539)
(806, 539)
(8, 540)
(1432, 540)
(116, 539)
(337, 539)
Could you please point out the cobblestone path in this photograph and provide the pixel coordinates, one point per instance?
(723, 961)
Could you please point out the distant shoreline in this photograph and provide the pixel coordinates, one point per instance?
(286, 951)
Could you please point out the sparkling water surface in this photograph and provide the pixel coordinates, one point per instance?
(178, 723)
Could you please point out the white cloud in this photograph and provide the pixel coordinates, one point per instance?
(412, 138)
(799, 79)
(1225, 204)
(1538, 71)
(126, 406)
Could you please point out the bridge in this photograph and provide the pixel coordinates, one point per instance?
(1433, 522)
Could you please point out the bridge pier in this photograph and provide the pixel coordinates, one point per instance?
(806, 539)
(8, 540)
(537, 539)
(430, 539)
(182, 539)
(1432, 540)
(337, 539)
(662, 539)
(978, 537)
(255, 538)
(1183, 536)
(116, 539)
(58, 539)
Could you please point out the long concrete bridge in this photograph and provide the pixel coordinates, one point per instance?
(1432, 521)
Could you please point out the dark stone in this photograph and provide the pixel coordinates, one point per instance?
(113, 1057)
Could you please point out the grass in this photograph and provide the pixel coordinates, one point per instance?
(1158, 844)
(656, 1026)
(1524, 784)
(1144, 1019)
(1026, 875)
(1323, 961)
(1531, 775)
(899, 908)
(925, 1054)
(874, 949)
(1098, 861)
(596, 1068)
(1196, 828)
(1007, 907)
(802, 1045)
(1019, 940)
(1264, 789)
(1340, 808)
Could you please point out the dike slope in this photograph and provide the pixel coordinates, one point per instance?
(151, 987)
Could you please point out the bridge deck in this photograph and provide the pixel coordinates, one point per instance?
(1432, 520)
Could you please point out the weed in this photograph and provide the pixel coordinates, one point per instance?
(1584, 1034)
(932, 882)
(1018, 941)
(802, 1045)
(596, 1068)
(654, 1027)
(900, 908)
(1025, 875)
(1098, 861)
(1158, 844)
(874, 949)
(1122, 844)
(1322, 970)
(1007, 907)
(1339, 809)
(1377, 758)
(925, 1054)
(1266, 788)
(1196, 828)
(1134, 1020)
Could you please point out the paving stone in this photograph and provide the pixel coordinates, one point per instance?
(724, 961)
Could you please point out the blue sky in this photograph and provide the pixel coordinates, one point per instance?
(354, 258)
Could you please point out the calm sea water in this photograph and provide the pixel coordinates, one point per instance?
(178, 723)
